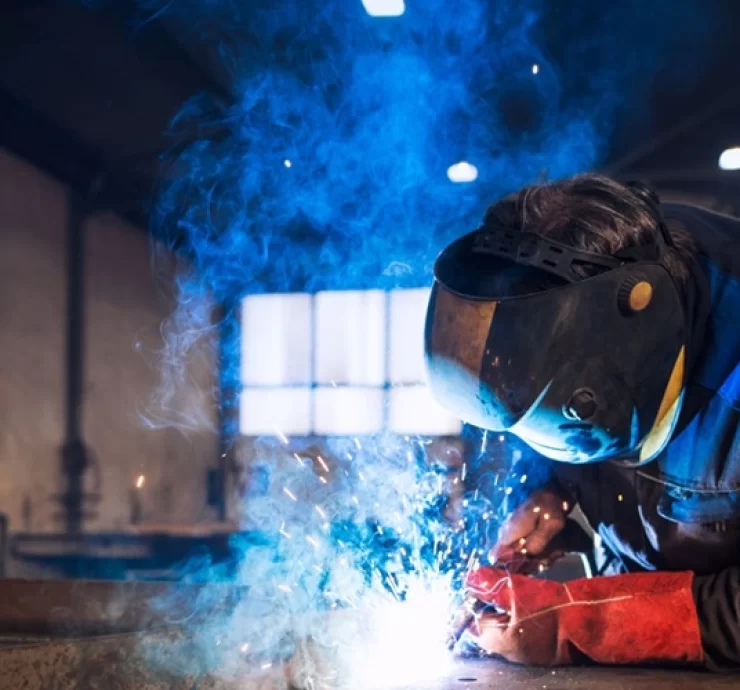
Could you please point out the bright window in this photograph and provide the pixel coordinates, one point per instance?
(350, 337)
(276, 342)
(337, 363)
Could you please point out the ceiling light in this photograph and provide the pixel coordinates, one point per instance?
(730, 159)
(462, 172)
(535, 68)
(384, 8)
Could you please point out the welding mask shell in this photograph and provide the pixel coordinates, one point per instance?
(579, 369)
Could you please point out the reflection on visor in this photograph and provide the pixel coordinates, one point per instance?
(515, 364)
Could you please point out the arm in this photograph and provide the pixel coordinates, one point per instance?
(637, 618)
(534, 512)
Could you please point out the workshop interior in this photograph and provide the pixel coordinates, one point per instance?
(219, 453)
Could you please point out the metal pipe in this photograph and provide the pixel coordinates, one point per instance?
(74, 454)
(229, 338)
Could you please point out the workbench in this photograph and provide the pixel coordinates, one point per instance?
(80, 635)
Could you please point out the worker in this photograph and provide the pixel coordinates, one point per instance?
(602, 328)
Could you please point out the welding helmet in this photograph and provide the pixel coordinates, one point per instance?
(581, 369)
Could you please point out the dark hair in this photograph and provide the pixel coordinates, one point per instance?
(596, 214)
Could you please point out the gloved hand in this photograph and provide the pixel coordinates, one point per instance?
(531, 527)
(626, 619)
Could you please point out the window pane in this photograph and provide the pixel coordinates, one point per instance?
(275, 410)
(276, 339)
(348, 411)
(408, 313)
(413, 410)
(350, 337)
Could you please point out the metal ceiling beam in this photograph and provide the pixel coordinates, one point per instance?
(63, 155)
(154, 38)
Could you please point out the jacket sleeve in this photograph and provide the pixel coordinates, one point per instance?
(717, 599)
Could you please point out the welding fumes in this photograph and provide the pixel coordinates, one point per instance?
(327, 170)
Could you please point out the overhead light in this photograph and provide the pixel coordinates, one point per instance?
(462, 172)
(730, 159)
(535, 68)
(384, 8)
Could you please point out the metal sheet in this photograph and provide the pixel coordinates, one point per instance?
(166, 660)
(486, 673)
(76, 608)
(159, 658)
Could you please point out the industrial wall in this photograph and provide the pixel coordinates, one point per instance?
(125, 306)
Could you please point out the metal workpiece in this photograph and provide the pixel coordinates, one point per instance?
(116, 662)
(67, 635)
(170, 660)
(162, 660)
(73, 608)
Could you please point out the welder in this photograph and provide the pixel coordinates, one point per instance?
(602, 328)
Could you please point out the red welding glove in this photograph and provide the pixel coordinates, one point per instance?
(625, 619)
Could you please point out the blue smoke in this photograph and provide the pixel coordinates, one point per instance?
(326, 166)
(326, 169)
(368, 114)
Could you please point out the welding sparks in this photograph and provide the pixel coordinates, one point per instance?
(322, 480)
(408, 636)
(283, 438)
(283, 532)
(323, 464)
(289, 494)
(264, 667)
(285, 588)
(312, 541)
(320, 512)
(299, 459)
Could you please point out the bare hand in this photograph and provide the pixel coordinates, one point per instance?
(530, 529)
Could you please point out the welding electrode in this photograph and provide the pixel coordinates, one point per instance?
(471, 606)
